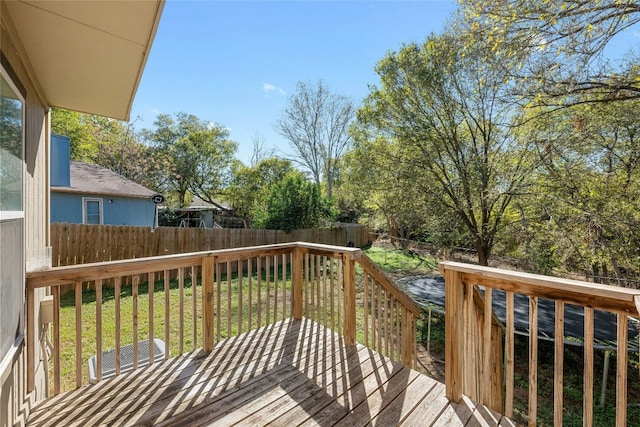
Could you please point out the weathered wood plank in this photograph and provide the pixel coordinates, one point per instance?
(454, 335)
(152, 386)
(621, 376)
(78, 337)
(509, 344)
(406, 402)
(330, 398)
(533, 360)
(558, 366)
(454, 414)
(290, 372)
(271, 403)
(377, 394)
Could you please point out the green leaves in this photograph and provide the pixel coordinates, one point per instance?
(252, 186)
(444, 117)
(294, 203)
(198, 155)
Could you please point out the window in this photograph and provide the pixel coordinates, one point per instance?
(12, 264)
(91, 211)
(11, 148)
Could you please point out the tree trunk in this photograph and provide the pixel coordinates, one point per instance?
(483, 253)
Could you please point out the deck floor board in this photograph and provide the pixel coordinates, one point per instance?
(288, 373)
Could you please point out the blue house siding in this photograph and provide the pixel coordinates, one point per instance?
(60, 155)
(67, 207)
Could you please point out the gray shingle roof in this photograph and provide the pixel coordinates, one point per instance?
(88, 178)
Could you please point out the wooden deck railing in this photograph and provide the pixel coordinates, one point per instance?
(193, 300)
(470, 361)
(389, 316)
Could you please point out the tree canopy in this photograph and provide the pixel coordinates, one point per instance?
(252, 185)
(560, 47)
(199, 156)
(316, 123)
(293, 203)
(443, 100)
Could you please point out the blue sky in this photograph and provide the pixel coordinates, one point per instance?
(236, 62)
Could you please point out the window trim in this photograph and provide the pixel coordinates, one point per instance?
(84, 208)
(7, 74)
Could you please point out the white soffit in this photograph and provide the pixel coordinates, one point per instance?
(88, 56)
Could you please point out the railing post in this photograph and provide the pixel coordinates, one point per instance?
(208, 263)
(454, 335)
(349, 266)
(296, 282)
(408, 337)
(31, 340)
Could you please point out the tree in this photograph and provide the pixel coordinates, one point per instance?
(258, 152)
(133, 160)
(387, 179)
(560, 46)
(444, 99)
(589, 182)
(252, 184)
(198, 154)
(86, 132)
(294, 203)
(316, 123)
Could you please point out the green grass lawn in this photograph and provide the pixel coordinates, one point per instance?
(397, 263)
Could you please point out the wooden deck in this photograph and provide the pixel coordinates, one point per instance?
(289, 373)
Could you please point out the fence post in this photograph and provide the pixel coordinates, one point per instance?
(208, 263)
(296, 279)
(349, 266)
(454, 335)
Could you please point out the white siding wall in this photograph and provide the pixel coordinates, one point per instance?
(14, 400)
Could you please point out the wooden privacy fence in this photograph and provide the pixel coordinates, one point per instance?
(82, 243)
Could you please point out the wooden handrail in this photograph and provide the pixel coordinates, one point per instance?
(386, 281)
(103, 270)
(594, 295)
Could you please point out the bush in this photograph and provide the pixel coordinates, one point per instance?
(294, 203)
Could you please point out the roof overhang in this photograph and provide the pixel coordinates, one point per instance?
(88, 56)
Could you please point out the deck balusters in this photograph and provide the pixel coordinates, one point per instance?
(239, 290)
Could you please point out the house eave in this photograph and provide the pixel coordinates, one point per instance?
(88, 56)
(99, 193)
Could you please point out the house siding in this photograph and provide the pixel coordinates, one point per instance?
(15, 402)
(67, 207)
(60, 155)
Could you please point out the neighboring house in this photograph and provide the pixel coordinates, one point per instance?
(202, 214)
(82, 56)
(85, 193)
